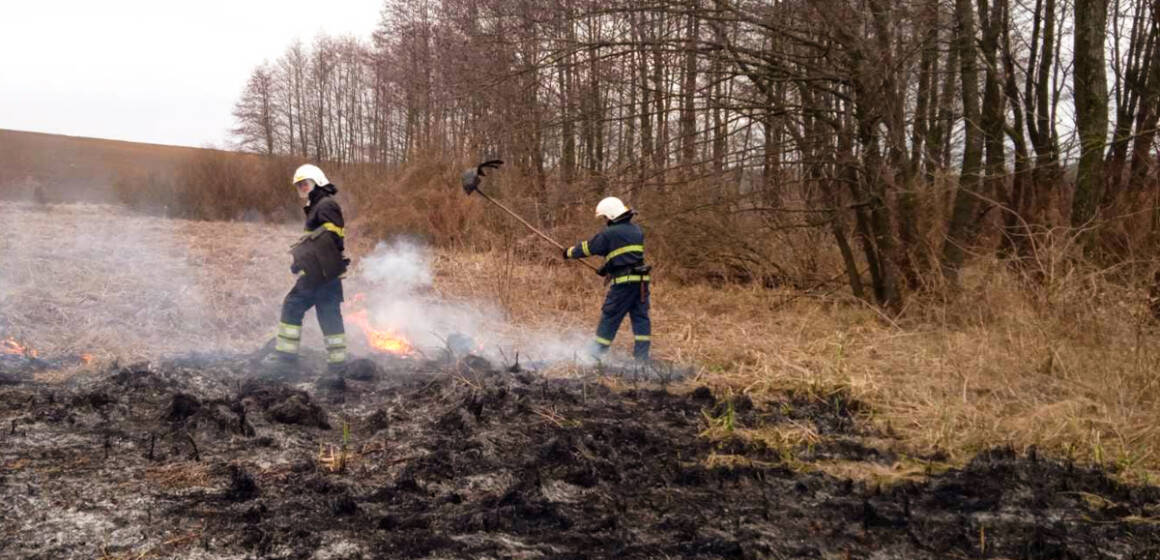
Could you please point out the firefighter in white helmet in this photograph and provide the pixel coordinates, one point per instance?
(319, 265)
(622, 246)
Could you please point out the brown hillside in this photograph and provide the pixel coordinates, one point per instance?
(71, 168)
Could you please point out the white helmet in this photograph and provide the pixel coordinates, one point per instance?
(611, 208)
(311, 172)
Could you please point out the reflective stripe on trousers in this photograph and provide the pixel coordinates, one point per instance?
(335, 348)
(326, 299)
(288, 338)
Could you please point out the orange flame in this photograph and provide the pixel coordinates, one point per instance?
(383, 340)
(11, 347)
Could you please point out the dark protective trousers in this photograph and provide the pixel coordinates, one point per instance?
(625, 299)
(326, 300)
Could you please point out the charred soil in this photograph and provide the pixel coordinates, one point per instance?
(206, 458)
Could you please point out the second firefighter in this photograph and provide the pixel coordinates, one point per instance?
(622, 246)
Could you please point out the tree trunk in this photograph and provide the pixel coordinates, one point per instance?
(993, 118)
(689, 94)
(1091, 107)
(961, 231)
(1015, 238)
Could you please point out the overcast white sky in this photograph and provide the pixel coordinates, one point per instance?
(154, 70)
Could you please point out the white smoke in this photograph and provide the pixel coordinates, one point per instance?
(400, 267)
(87, 278)
(398, 280)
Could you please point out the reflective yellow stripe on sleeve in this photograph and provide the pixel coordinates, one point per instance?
(341, 232)
(584, 248)
(625, 249)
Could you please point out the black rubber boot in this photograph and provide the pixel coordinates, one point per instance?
(280, 366)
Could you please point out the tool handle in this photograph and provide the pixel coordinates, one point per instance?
(531, 227)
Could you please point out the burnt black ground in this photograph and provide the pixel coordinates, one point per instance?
(203, 458)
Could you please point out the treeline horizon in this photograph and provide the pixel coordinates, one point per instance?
(894, 139)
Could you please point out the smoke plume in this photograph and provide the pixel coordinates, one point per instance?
(398, 296)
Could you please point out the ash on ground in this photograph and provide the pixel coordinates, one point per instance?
(205, 458)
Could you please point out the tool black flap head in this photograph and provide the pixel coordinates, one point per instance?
(471, 176)
(470, 181)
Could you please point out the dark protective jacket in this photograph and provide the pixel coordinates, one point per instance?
(318, 254)
(621, 244)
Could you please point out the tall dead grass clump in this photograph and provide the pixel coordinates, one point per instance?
(722, 229)
(1054, 350)
(229, 186)
(1066, 362)
(213, 185)
(420, 199)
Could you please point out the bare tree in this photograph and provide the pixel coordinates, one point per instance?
(255, 114)
(876, 132)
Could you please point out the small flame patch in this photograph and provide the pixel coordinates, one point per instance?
(382, 340)
(11, 347)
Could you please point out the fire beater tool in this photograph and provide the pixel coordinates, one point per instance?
(471, 181)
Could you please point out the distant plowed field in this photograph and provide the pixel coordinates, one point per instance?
(70, 168)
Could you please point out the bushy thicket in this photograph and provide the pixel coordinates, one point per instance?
(213, 185)
(691, 234)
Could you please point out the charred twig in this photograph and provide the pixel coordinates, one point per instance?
(152, 442)
(181, 540)
(402, 459)
(373, 447)
(464, 380)
(550, 415)
(196, 454)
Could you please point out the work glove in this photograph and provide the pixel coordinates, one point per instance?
(565, 253)
(294, 270)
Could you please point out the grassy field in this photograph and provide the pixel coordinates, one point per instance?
(1068, 367)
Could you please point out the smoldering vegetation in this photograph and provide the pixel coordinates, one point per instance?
(98, 280)
(397, 290)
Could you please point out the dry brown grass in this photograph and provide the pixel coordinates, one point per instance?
(180, 476)
(1069, 367)
(87, 279)
(1067, 364)
(878, 474)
